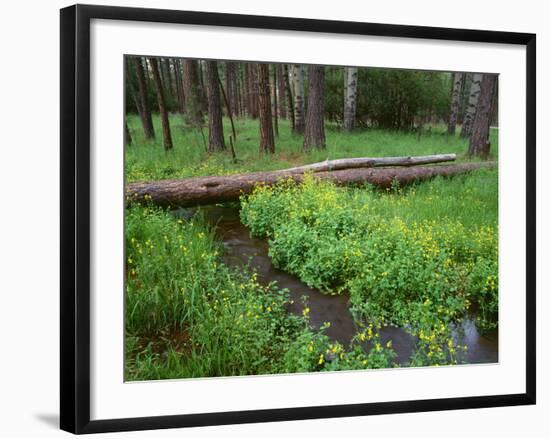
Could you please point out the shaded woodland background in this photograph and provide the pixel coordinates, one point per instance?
(310, 98)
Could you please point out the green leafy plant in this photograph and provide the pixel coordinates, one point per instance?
(400, 256)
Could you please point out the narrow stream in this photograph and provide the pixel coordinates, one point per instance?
(242, 249)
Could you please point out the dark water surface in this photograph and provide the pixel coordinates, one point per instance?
(242, 249)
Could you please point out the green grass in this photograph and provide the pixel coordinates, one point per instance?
(416, 257)
(146, 160)
(188, 315)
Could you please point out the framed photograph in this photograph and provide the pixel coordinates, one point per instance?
(275, 218)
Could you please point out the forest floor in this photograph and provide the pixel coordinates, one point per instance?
(420, 258)
(146, 160)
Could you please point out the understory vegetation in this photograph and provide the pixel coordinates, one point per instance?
(417, 258)
(421, 258)
(307, 276)
(188, 315)
(146, 160)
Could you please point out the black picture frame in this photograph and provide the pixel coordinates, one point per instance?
(75, 217)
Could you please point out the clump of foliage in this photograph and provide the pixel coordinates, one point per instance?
(189, 315)
(391, 99)
(400, 256)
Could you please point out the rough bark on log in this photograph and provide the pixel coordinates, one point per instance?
(208, 190)
(372, 162)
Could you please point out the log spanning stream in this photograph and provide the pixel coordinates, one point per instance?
(242, 250)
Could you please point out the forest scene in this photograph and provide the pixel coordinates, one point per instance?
(290, 218)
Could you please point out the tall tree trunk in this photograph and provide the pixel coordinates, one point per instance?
(166, 79)
(267, 143)
(137, 103)
(466, 130)
(146, 119)
(350, 97)
(162, 73)
(289, 102)
(242, 90)
(215, 126)
(315, 118)
(166, 135)
(203, 92)
(133, 91)
(192, 91)
(479, 140)
(281, 90)
(455, 102)
(233, 135)
(246, 90)
(231, 87)
(494, 106)
(172, 62)
(275, 106)
(463, 101)
(299, 111)
(252, 92)
(127, 135)
(179, 85)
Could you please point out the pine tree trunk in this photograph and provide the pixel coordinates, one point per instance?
(299, 111)
(203, 92)
(463, 99)
(137, 103)
(231, 86)
(350, 98)
(127, 135)
(219, 189)
(466, 130)
(179, 85)
(243, 90)
(215, 126)
(275, 103)
(479, 140)
(240, 88)
(146, 119)
(455, 102)
(191, 89)
(267, 143)
(289, 102)
(166, 80)
(252, 92)
(172, 75)
(166, 135)
(281, 90)
(315, 123)
(246, 90)
(133, 92)
(494, 106)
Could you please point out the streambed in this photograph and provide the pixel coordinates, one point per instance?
(241, 249)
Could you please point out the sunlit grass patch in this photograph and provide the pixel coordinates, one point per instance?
(147, 160)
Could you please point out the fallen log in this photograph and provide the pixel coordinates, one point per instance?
(218, 189)
(371, 162)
